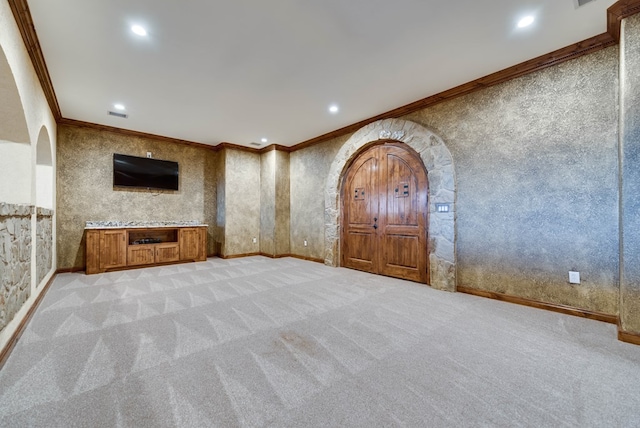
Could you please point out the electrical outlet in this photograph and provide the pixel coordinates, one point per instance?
(574, 277)
(305, 242)
(149, 155)
(255, 240)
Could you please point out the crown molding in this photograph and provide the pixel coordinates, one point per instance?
(559, 56)
(121, 131)
(22, 16)
(615, 14)
(130, 133)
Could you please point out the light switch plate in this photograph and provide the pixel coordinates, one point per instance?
(442, 208)
(574, 277)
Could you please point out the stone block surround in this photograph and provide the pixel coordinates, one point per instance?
(15, 259)
(438, 162)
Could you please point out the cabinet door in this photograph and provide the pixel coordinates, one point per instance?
(92, 252)
(167, 253)
(140, 255)
(113, 248)
(191, 244)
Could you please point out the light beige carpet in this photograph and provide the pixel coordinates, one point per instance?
(285, 342)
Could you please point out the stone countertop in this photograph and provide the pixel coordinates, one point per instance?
(140, 224)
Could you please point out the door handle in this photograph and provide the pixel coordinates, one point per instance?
(375, 226)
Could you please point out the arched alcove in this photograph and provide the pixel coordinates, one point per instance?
(15, 149)
(44, 170)
(16, 197)
(44, 180)
(442, 190)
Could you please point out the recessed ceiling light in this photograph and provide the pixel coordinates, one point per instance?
(140, 31)
(118, 106)
(333, 109)
(264, 140)
(526, 21)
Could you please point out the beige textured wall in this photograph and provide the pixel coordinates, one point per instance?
(86, 192)
(630, 175)
(218, 180)
(242, 202)
(309, 169)
(536, 165)
(282, 203)
(274, 203)
(15, 164)
(268, 202)
(212, 161)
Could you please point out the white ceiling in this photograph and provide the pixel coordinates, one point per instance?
(235, 71)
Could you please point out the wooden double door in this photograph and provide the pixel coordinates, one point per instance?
(384, 213)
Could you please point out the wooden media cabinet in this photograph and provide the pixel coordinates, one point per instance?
(123, 248)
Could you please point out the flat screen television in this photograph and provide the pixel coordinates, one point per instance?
(146, 173)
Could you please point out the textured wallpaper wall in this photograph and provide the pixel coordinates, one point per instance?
(309, 169)
(86, 192)
(630, 154)
(242, 202)
(536, 164)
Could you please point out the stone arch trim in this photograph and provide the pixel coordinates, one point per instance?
(442, 189)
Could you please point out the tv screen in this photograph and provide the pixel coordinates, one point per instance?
(133, 171)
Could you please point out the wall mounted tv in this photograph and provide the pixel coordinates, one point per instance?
(146, 173)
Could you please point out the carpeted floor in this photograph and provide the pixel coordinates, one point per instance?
(285, 342)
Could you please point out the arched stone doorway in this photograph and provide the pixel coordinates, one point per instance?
(442, 190)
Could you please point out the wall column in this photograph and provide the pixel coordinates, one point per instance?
(629, 156)
(274, 203)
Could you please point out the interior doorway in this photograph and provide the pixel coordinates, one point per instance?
(385, 213)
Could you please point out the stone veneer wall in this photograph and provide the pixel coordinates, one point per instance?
(44, 243)
(15, 259)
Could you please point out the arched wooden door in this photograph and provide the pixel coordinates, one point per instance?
(384, 213)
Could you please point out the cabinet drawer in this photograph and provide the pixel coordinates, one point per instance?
(167, 253)
(140, 255)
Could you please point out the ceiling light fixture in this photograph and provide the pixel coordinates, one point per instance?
(119, 107)
(526, 21)
(140, 31)
(264, 140)
(333, 109)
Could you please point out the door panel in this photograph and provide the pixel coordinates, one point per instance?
(384, 220)
(361, 201)
(360, 249)
(401, 195)
(403, 215)
(401, 251)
